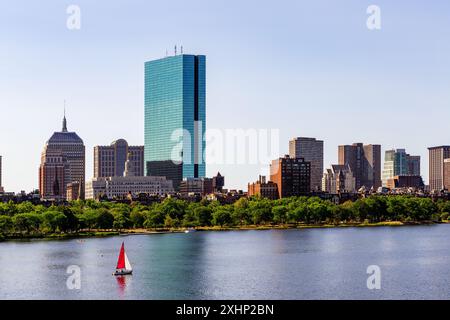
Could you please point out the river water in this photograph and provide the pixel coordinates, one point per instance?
(274, 264)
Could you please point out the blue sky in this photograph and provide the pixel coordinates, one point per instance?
(307, 68)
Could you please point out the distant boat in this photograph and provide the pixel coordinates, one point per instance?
(123, 265)
(190, 230)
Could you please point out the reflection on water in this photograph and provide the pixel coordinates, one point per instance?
(122, 284)
(272, 264)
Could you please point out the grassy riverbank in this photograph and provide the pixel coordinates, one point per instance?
(320, 226)
(140, 231)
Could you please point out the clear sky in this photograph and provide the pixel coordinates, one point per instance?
(307, 68)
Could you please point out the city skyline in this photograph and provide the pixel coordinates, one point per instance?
(377, 72)
(292, 148)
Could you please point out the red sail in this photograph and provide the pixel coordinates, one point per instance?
(121, 261)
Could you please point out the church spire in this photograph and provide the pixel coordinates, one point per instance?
(64, 128)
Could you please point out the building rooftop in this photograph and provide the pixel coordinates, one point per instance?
(64, 136)
(439, 147)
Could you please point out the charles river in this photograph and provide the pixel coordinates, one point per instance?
(273, 264)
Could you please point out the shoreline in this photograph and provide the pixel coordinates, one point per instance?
(140, 231)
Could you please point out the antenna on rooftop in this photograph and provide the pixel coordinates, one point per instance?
(181, 49)
(175, 49)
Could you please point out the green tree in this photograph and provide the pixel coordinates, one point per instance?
(222, 216)
(8, 208)
(49, 222)
(203, 216)
(396, 208)
(6, 224)
(279, 214)
(27, 222)
(88, 218)
(155, 219)
(376, 208)
(340, 213)
(189, 220)
(297, 212)
(137, 218)
(105, 219)
(261, 211)
(169, 221)
(360, 210)
(25, 207)
(318, 211)
(241, 213)
(121, 221)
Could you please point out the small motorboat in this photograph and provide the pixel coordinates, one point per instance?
(123, 264)
(189, 230)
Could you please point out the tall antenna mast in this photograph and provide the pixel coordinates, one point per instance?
(181, 49)
(175, 49)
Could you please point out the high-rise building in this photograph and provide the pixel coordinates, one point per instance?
(436, 166)
(109, 161)
(311, 150)
(447, 174)
(292, 176)
(175, 99)
(218, 182)
(399, 163)
(364, 162)
(1, 186)
(53, 175)
(62, 162)
(413, 165)
(339, 179)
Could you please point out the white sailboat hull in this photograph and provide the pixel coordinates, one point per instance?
(122, 272)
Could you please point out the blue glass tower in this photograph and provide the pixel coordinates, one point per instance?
(175, 120)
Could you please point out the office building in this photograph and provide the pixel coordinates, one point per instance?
(292, 176)
(201, 186)
(339, 179)
(414, 165)
(1, 185)
(175, 110)
(73, 191)
(218, 182)
(109, 161)
(62, 162)
(123, 187)
(447, 174)
(364, 162)
(437, 155)
(311, 150)
(408, 181)
(263, 189)
(399, 163)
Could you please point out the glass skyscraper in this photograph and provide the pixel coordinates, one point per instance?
(399, 163)
(175, 120)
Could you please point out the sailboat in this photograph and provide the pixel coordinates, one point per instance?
(123, 265)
